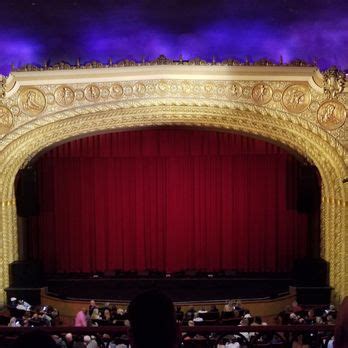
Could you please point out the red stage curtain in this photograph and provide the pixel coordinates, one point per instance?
(168, 200)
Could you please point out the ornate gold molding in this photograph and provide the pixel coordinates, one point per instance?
(334, 82)
(284, 92)
(161, 60)
(46, 108)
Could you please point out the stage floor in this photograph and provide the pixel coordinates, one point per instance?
(180, 290)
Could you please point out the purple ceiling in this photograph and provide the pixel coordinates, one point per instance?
(39, 30)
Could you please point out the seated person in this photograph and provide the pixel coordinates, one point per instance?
(179, 314)
(35, 339)
(91, 307)
(190, 314)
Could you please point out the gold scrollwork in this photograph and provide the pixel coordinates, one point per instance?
(186, 87)
(262, 93)
(64, 96)
(208, 88)
(296, 98)
(32, 101)
(127, 90)
(92, 93)
(6, 119)
(331, 115)
(79, 94)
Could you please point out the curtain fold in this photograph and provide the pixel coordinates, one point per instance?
(168, 200)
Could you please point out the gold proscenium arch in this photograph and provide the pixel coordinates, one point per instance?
(48, 107)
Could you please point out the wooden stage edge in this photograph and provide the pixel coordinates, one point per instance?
(262, 307)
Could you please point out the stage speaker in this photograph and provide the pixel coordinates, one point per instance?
(313, 295)
(27, 193)
(25, 274)
(311, 272)
(308, 198)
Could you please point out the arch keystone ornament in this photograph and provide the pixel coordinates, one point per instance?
(294, 106)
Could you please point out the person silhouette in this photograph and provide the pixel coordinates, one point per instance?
(35, 339)
(152, 321)
(341, 329)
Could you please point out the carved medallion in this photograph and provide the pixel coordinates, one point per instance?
(32, 101)
(6, 119)
(261, 93)
(116, 91)
(139, 89)
(296, 98)
(163, 87)
(92, 93)
(331, 115)
(234, 90)
(64, 96)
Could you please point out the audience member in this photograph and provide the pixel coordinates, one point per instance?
(152, 321)
(60, 343)
(91, 307)
(179, 314)
(69, 340)
(81, 318)
(341, 330)
(229, 306)
(35, 339)
(14, 323)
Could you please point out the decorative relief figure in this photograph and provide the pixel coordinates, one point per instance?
(6, 119)
(139, 89)
(32, 101)
(334, 82)
(92, 93)
(116, 91)
(296, 98)
(163, 87)
(234, 90)
(64, 96)
(331, 115)
(261, 93)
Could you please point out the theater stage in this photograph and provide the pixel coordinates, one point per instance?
(179, 289)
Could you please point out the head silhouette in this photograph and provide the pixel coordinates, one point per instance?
(341, 329)
(35, 339)
(152, 321)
